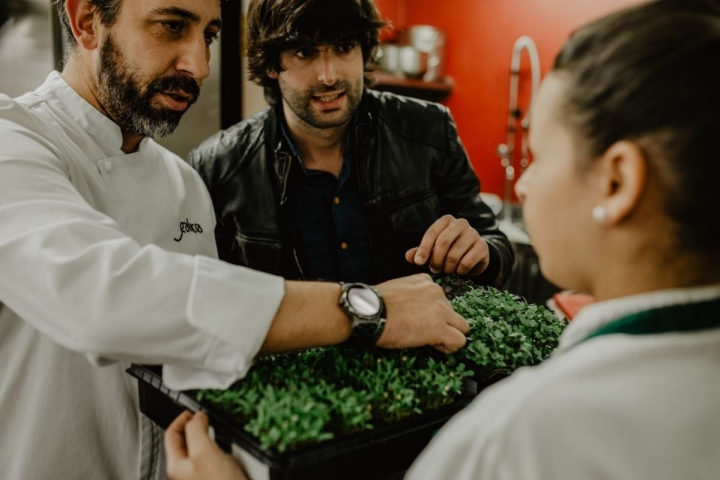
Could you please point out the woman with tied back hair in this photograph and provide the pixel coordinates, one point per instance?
(620, 201)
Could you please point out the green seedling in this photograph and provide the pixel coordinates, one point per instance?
(304, 398)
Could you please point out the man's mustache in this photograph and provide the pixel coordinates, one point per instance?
(175, 83)
(321, 89)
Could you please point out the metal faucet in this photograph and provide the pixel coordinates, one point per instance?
(506, 150)
(504, 153)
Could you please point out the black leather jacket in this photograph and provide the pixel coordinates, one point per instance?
(411, 170)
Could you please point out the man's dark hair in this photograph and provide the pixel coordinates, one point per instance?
(107, 9)
(650, 74)
(276, 26)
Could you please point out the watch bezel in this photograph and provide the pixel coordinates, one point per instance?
(366, 329)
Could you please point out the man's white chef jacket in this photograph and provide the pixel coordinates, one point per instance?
(615, 407)
(106, 258)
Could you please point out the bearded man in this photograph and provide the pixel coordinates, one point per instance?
(107, 254)
(338, 182)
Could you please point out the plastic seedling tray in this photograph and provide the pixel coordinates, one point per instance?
(479, 382)
(505, 333)
(382, 453)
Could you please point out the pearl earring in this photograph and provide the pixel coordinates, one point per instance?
(599, 214)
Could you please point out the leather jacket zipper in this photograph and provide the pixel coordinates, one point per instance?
(363, 197)
(283, 200)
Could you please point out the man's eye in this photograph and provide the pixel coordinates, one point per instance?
(174, 26)
(304, 52)
(210, 37)
(345, 47)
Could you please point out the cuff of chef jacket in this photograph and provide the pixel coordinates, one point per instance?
(236, 306)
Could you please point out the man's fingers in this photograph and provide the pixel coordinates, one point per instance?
(455, 340)
(428, 241)
(459, 254)
(197, 437)
(459, 323)
(473, 261)
(443, 243)
(411, 254)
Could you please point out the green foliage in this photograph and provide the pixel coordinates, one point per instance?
(288, 401)
(291, 400)
(505, 331)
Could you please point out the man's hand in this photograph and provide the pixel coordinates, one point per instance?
(192, 455)
(419, 314)
(452, 246)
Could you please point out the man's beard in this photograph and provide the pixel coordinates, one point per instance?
(300, 102)
(121, 94)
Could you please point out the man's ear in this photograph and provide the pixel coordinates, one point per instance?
(272, 73)
(82, 19)
(623, 171)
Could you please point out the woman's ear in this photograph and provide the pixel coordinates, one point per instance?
(623, 171)
(82, 19)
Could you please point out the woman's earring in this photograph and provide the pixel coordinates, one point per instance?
(599, 214)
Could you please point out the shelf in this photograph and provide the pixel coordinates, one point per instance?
(413, 87)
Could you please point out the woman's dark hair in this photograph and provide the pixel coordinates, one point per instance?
(276, 26)
(108, 10)
(651, 74)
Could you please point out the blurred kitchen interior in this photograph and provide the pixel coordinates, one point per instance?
(456, 52)
(478, 41)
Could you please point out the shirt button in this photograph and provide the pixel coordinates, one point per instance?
(344, 245)
(336, 201)
(109, 167)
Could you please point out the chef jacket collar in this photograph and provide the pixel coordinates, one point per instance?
(597, 315)
(88, 117)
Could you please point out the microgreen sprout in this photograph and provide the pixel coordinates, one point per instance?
(288, 401)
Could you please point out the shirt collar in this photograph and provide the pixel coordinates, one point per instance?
(286, 135)
(599, 314)
(294, 151)
(61, 95)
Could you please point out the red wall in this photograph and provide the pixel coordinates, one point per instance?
(480, 37)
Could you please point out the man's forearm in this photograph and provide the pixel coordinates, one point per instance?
(309, 316)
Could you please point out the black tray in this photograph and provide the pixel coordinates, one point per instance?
(382, 453)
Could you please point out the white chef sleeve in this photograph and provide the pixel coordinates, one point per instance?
(71, 272)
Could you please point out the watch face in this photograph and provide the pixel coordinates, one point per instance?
(364, 301)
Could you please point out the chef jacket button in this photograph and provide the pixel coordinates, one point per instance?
(109, 167)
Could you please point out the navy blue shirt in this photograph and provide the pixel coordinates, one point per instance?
(330, 233)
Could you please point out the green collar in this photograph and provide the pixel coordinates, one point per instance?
(689, 317)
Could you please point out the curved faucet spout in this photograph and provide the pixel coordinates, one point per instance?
(527, 44)
(507, 154)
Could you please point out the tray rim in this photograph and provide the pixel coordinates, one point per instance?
(228, 431)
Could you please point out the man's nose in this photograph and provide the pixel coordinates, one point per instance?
(194, 59)
(328, 68)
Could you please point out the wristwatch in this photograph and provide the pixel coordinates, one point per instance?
(366, 310)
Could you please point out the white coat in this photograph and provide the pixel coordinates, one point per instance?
(105, 259)
(640, 407)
